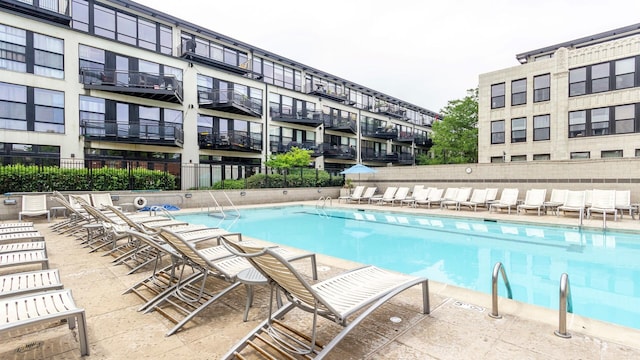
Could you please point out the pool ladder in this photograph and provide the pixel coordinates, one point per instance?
(322, 202)
(221, 208)
(566, 303)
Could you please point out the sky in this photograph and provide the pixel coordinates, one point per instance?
(425, 52)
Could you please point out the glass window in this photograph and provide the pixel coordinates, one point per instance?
(166, 42)
(104, 21)
(13, 51)
(625, 73)
(577, 123)
(80, 11)
(541, 88)
(600, 78)
(611, 154)
(515, 158)
(519, 92)
(541, 127)
(13, 106)
(580, 155)
(518, 130)
(600, 121)
(537, 157)
(49, 111)
(127, 29)
(578, 81)
(497, 132)
(497, 159)
(146, 34)
(497, 96)
(624, 119)
(48, 56)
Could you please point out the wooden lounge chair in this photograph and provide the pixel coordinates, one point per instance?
(360, 291)
(46, 307)
(34, 205)
(534, 200)
(28, 282)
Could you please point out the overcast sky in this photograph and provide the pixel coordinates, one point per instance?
(425, 52)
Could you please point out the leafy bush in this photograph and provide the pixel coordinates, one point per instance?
(294, 178)
(32, 178)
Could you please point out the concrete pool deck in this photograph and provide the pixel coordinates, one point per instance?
(457, 328)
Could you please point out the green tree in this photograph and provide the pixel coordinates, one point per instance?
(455, 137)
(294, 158)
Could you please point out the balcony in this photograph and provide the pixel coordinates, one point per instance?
(321, 91)
(187, 51)
(51, 10)
(391, 110)
(377, 156)
(166, 135)
(279, 147)
(405, 159)
(405, 136)
(339, 124)
(333, 151)
(230, 141)
(306, 118)
(387, 133)
(423, 141)
(145, 85)
(230, 101)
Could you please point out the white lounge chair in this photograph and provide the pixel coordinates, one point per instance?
(478, 198)
(623, 202)
(401, 194)
(556, 199)
(357, 192)
(462, 195)
(574, 202)
(34, 205)
(101, 200)
(420, 195)
(388, 195)
(356, 293)
(534, 200)
(368, 194)
(29, 282)
(603, 202)
(40, 308)
(434, 197)
(508, 199)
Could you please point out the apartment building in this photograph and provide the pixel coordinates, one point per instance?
(576, 100)
(117, 84)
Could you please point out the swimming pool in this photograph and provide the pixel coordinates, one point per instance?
(603, 267)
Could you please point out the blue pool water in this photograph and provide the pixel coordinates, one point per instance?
(603, 267)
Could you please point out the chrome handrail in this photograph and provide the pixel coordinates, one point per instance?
(566, 305)
(498, 269)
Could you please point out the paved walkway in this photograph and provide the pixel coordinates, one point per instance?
(457, 328)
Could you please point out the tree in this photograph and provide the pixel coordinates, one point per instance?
(291, 159)
(455, 137)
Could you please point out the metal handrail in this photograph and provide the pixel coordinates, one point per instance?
(498, 269)
(566, 304)
(231, 204)
(217, 205)
(155, 209)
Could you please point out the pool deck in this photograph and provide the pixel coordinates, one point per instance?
(458, 326)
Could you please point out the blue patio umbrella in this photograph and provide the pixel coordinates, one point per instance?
(358, 169)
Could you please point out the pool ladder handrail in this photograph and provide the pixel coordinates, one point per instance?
(155, 209)
(566, 304)
(218, 206)
(498, 269)
(324, 199)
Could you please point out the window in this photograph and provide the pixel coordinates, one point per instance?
(624, 119)
(518, 130)
(515, 158)
(146, 34)
(497, 132)
(625, 73)
(540, 157)
(611, 154)
(13, 51)
(127, 29)
(637, 152)
(600, 78)
(104, 22)
(580, 155)
(497, 96)
(578, 81)
(519, 92)
(600, 121)
(49, 111)
(497, 159)
(577, 123)
(541, 129)
(541, 88)
(48, 56)
(13, 106)
(80, 11)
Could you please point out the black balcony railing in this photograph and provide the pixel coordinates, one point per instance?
(321, 91)
(52, 10)
(135, 83)
(230, 140)
(423, 141)
(405, 136)
(378, 156)
(230, 101)
(167, 135)
(391, 110)
(386, 133)
(187, 50)
(339, 124)
(279, 147)
(405, 159)
(334, 151)
(308, 118)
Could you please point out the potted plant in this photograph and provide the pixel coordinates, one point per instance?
(348, 186)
